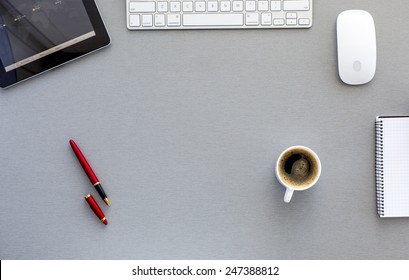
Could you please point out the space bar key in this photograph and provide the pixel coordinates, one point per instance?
(213, 19)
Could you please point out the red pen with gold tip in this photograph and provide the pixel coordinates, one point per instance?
(90, 173)
(95, 207)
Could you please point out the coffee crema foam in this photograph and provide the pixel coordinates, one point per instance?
(298, 168)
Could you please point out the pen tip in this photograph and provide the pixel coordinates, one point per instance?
(106, 200)
(105, 222)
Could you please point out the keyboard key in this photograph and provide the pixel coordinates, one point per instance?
(304, 21)
(291, 22)
(213, 19)
(263, 5)
(175, 6)
(251, 6)
(200, 6)
(212, 6)
(225, 6)
(134, 21)
(275, 5)
(147, 20)
(278, 21)
(142, 7)
(188, 6)
(162, 6)
(173, 19)
(237, 6)
(296, 5)
(159, 20)
(266, 19)
(252, 19)
(291, 15)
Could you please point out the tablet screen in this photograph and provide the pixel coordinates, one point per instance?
(32, 29)
(38, 35)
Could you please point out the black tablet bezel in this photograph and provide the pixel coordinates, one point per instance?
(100, 40)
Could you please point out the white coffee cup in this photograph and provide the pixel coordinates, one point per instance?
(298, 168)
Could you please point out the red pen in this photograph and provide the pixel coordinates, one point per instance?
(95, 207)
(90, 173)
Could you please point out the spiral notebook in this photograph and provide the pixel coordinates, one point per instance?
(392, 166)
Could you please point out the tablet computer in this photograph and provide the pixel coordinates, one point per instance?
(38, 35)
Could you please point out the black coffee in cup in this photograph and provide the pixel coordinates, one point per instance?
(298, 168)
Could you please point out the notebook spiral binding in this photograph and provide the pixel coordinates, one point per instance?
(379, 167)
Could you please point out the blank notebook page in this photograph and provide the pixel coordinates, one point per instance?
(395, 166)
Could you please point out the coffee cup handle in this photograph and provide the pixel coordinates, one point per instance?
(288, 195)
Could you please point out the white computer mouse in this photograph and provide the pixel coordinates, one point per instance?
(356, 47)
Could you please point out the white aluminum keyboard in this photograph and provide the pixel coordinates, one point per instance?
(221, 14)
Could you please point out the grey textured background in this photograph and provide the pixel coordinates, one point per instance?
(183, 129)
